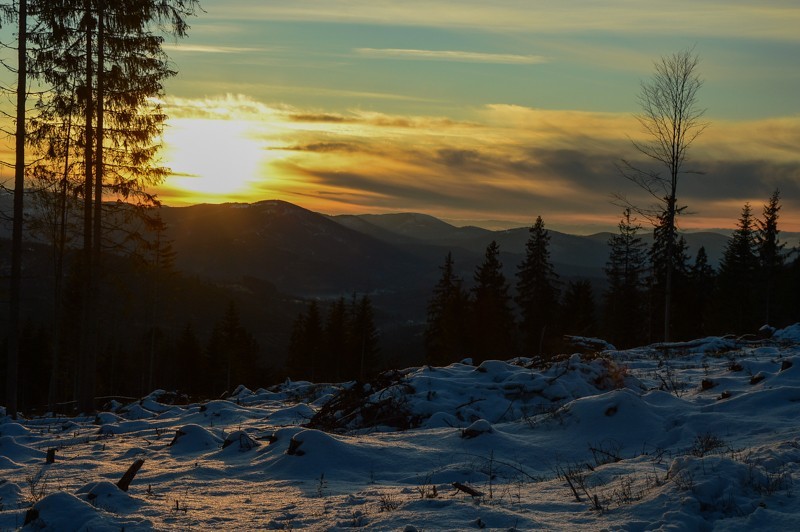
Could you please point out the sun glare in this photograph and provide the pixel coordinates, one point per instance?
(212, 157)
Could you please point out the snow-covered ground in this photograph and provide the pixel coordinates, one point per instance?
(704, 438)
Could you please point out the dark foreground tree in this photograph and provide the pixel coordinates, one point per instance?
(578, 309)
(103, 66)
(15, 291)
(337, 329)
(446, 329)
(770, 254)
(668, 261)
(624, 299)
(672, 120)
(233, 353)
(492, 318)
(737, 278)
(306, 346)
(537, 292)
(363, 351)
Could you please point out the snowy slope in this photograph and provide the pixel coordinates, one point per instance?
(704, 437)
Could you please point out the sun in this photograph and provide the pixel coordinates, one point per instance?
(212, 157)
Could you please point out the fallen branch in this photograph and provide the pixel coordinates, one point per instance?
(466, 489)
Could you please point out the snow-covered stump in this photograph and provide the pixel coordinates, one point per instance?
(239, 440)
(481, 426)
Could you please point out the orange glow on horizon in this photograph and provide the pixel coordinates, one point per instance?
(508, 163)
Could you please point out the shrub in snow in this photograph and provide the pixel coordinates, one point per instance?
(381, 402)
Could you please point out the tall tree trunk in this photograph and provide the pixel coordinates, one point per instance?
(86, 366)
(99, 137)
(12, 369)
(670, 265)
(59, 249)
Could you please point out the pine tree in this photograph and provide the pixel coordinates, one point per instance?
(624, 298)
(537, 292)
(233, 352)
(336, 338)
(362, 361)
(297, 364)
(446, 328)
(668, 300)
(578, 309)
(306, 348)
(492, 317)
(191, 363)
(791, 295)
(770, 254)
(737, 277)
(702, 281)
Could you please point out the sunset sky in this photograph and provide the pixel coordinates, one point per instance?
(474, 110)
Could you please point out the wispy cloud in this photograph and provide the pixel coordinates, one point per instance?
(766, 19)
(209, 49)
(450, 55)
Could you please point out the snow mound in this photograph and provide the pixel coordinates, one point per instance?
(458, 395)
(64, 511)
(14, 429)
(194, 438)
(789, 334)
(308, 453)
(12, 450)
(108, 496)
(10, 494)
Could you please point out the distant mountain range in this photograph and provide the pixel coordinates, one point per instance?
(306, 253)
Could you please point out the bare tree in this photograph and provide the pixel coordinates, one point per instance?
(672, 120)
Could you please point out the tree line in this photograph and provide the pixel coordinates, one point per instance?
(89, 78)
(339, 346)
(757, 283)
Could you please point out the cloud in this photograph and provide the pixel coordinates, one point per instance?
(450, 55)
(505, 162)
(209, 49)
(320, 117)
(322, 147)
(767, 19)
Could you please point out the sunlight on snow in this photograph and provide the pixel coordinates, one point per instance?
(703, 439)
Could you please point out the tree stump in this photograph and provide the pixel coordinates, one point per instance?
(127, 478)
